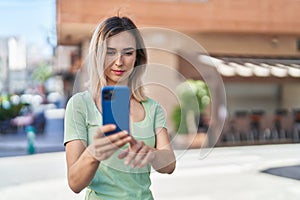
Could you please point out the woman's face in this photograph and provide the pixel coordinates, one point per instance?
(120, 58)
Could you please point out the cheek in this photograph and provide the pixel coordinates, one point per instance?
(106, 70)
(130, 62)
(108, 62)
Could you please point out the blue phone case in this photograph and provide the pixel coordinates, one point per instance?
(116, 107)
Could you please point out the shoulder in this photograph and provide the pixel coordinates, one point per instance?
(157, 112)
(151, 101)
(152, 104)
(79, 100)
(80, 97)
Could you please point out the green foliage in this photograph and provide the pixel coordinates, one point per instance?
(180, 126)
(8, 108)
(42, 73)
(194, 96)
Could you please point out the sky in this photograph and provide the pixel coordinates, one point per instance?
(33, 20)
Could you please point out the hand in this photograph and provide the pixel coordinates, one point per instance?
(103, 147)
(138, 154)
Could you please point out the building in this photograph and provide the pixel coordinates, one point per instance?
(255, 44)
(13, 64)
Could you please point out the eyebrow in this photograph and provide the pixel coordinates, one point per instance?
(125, 49)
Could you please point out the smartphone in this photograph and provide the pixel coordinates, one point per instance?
(116, 107)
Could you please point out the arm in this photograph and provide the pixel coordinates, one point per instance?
(83, 161)
(81, 165)
(164, 160)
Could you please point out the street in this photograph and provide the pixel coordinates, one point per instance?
(224, 173)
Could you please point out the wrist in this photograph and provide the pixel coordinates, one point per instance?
(90, 157)
(154, 152)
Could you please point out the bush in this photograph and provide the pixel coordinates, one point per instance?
(194, 97)
(10, 107)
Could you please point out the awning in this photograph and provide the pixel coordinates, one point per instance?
(244, 69)
(254, 68)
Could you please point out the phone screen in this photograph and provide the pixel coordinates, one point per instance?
(116, 107)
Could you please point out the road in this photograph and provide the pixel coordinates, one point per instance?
(231, 173)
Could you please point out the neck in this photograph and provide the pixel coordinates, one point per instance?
(112, 83)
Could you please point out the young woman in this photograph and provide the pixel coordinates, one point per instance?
(116, 166)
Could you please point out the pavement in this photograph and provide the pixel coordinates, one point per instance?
(16, 144)
(231, 173)
(48, 140)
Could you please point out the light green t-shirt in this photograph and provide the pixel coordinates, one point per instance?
(113, 179)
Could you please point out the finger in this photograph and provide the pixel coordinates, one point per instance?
(110, 139)
(103, 155)
(117, 136)
(116, 144)
(98, 153)
(133, 151)
(123, 154)
(103, 129)
(107, 146)
(133, 142)
(147, 159)
(140, 156)
(105, 151)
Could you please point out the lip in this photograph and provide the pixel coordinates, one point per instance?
(118, 72)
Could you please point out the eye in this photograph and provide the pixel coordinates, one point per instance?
(128, 53)
(110, 53)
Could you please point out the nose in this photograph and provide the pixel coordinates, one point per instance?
(119, 60)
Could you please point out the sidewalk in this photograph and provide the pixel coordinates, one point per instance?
(230, 173)
(50, 139)
(16, 144)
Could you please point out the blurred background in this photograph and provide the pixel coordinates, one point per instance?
(253, 45)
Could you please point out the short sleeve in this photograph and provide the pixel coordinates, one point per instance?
(160, 118)
(75, 120)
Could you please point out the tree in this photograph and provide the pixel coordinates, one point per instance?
(194, 96)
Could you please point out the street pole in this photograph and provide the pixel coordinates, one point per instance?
(6, 74)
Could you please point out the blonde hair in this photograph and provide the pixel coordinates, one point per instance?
(97, 52)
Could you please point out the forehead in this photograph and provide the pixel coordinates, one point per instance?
(121, 41)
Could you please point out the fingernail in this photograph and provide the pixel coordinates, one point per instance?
(126, 162)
